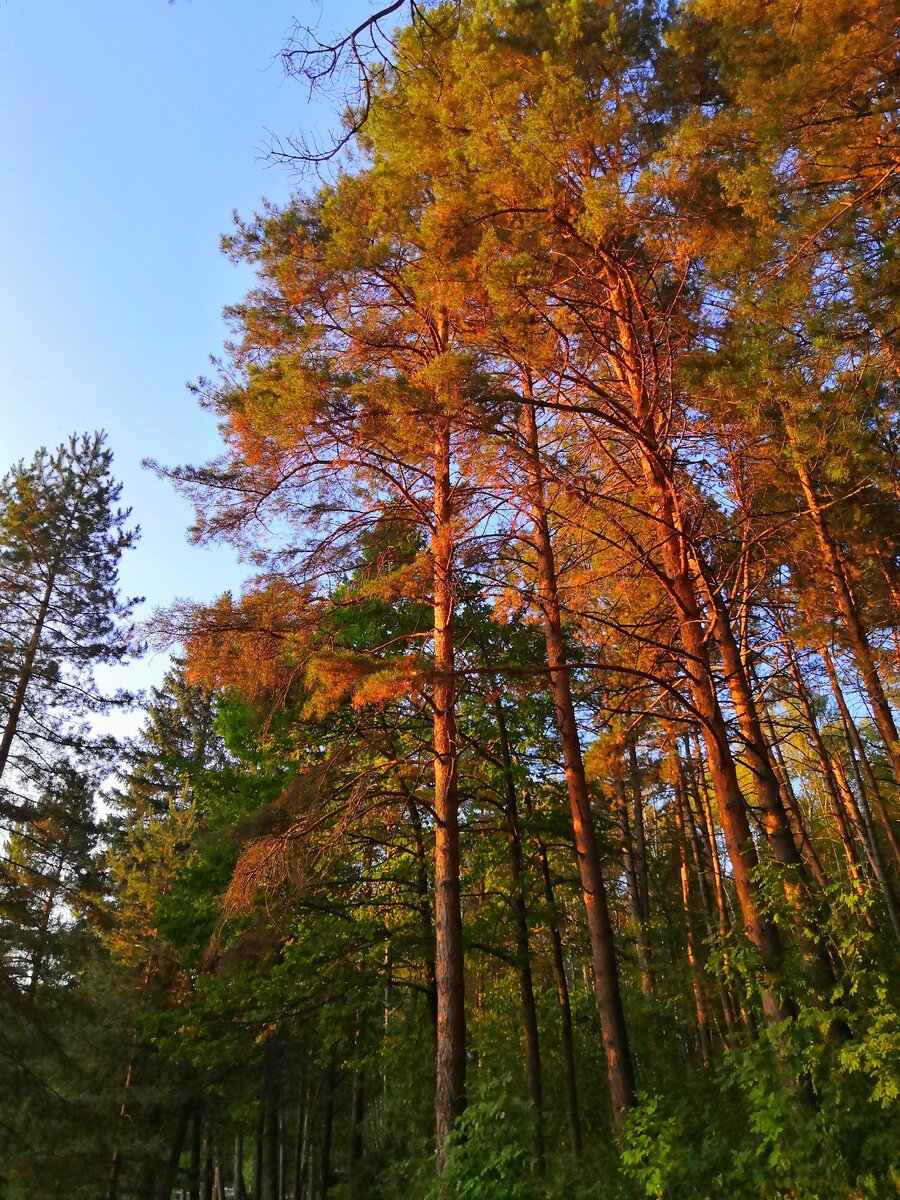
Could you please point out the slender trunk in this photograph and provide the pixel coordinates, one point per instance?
(327, 1132)
(832, 790)
(206, 1165)
(357, 1117)
(760, 929)
(115, 1169)
(705, 861)
(623, 819)
(533, 1078)
(852, 622)
(424, 905)
(43, 930)
(165, 1179)
(301, 1144)
(697, 783)
(25, 672)
(699, 1004)
(635, 339)
(258, 1148)
(271, 1106)
(450, 1089)
(807, 849)
(194, 1186)
(866, 837)
(756, 749)
(567, 1040)
(876, 799)
(619, 1067)
(640, 834)
(238, 1168)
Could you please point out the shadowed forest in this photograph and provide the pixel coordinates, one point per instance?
(528, 827)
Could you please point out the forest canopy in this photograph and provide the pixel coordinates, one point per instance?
(527, 825)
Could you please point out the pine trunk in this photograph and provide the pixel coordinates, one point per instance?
(619, 1067)
(450, 1089)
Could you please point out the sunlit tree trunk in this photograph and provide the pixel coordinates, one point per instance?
(619, 1068)
(450, 1090)
(690, 937)
(875, 796)
(851, 619)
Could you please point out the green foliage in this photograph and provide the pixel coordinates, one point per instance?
(489, 1155)
(802, 1111)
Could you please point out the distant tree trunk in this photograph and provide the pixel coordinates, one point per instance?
(699, 1003)
(570, 1085)
(357, 1147)
(875, 796)
(238, 1170)
(165, 1179)
(206, 1165)
(804, 841)
(706, 862)
(681, 568)
(862, 822)
(327, 1131)
(271, 1107)
(42, 932)
(756, 750)
(640, 835)
(698, 790)
(633, 887)
(423, 892)
(301, 1144)
(732, 807)
(259, 1145)
(533, 1077)
(194, 1187)
(850, 618)
(832, 790)
(115, 1169)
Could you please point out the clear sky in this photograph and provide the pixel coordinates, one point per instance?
(129, 132)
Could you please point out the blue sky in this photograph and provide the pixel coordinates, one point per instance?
(129, 132)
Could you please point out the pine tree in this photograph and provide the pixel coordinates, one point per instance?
(61, 614)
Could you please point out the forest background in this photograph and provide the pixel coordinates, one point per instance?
(523, 820)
